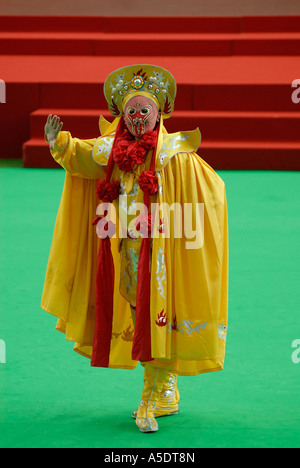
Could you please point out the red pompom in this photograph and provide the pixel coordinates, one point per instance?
(137, 152)
(148, 140)
(108, 191)
(148, 182)
(128, 152)
(123, 161)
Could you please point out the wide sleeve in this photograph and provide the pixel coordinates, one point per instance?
(76, 157)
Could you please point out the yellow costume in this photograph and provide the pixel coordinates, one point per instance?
(189, 254)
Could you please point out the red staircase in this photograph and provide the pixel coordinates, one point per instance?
(234, 80)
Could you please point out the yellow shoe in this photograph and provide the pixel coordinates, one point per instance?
(145, 419)
(167, 404)
(154, 379)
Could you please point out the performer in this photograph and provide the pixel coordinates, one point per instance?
(138, 268)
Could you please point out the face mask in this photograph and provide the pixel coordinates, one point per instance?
(140, 115)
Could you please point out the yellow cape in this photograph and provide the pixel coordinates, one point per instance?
(189, 286)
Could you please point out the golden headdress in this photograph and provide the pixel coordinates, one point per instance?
(152, 81)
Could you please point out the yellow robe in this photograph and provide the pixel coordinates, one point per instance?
(189, 281)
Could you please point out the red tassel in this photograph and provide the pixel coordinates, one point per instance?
(104, 289)
(104, 305)
(141, 349)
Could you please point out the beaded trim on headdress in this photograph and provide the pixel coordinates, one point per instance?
(150, 79)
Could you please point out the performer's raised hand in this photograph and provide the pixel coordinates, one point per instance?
(52, 128)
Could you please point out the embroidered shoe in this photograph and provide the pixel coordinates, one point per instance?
(154, 379)
(167, 404)
(145, 420)
(159, 414)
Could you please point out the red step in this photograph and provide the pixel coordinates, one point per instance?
(270, 23)
(214, 126)
(154, 23)
(120, 24)
(36, 154)
(173, 36)
(220, 155)
(253, 97)
(148, 44)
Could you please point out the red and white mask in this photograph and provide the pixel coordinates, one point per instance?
(141, 115)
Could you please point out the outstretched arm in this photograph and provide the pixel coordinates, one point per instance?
(73, 154)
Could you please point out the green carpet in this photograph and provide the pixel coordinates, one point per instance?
(51, 397)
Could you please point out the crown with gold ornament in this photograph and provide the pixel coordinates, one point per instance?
(156, 82)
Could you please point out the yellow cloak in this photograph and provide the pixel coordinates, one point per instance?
(189, 276)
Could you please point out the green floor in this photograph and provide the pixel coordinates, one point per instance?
(51, 397)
